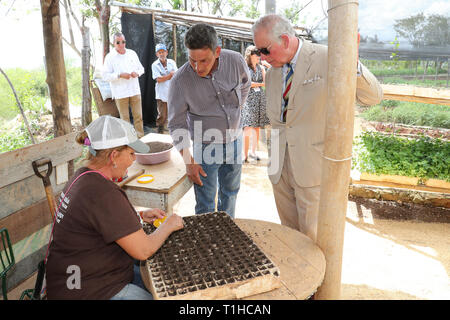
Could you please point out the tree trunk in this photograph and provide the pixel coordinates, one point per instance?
(56, 70)
(104, 13)
(86, 109)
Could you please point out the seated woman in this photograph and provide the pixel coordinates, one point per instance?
(97, 233)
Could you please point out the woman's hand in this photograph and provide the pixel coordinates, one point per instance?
(174, 222)
(151, 215)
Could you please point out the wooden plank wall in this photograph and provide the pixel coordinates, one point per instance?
(24, 209)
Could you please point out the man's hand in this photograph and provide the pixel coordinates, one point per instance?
(194, 171)
(134, 75)
(125, 75)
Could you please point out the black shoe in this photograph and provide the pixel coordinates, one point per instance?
(246, 160)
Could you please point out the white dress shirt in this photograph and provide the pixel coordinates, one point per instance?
(115, 64)
(158, 70)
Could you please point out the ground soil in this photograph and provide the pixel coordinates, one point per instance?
(157, 146)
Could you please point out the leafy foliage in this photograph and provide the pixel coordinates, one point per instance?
(423, 157)
(410, 113)
(421, 30)
(31, 90)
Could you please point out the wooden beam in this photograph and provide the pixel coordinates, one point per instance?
(416, 94)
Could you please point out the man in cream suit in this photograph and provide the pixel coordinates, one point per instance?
(298, 116)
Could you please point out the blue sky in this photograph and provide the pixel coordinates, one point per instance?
(23, 43)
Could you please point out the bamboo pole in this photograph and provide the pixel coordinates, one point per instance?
(342, 61)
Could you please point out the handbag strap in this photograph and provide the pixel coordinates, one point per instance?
(61, 201)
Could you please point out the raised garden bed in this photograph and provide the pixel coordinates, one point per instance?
(423, 158)
(421, 164)
(434, 185)
(407, 131)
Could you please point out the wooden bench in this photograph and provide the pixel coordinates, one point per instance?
(24, 209)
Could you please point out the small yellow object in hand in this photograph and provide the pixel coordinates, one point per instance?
(158, 222)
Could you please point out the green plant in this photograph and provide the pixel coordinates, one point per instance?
(422, 157)
(31, 90)
(410, 113)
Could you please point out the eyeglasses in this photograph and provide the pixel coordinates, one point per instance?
(119, 42)
(265, 51)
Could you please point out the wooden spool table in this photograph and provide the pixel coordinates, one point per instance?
(170, 180)
(300, 261)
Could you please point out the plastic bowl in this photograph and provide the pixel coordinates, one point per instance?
(159, 152)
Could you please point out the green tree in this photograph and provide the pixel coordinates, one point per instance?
(437, 30)
(412, 28)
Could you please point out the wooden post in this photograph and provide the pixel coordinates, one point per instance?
(174, 36)
(270, 6)
(56, 70)
(436, 64)
(448, 70)
(415, 71)
(342, 62)
(86, 108)
(425, 70)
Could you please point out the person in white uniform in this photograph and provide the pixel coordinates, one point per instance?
(122, 69)
(162, 71)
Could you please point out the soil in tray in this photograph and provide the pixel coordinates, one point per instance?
(158, 146)
(210, 251)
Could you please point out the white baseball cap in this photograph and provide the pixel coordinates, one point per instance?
(109, 132)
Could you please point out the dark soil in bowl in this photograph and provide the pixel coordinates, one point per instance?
(157, 146)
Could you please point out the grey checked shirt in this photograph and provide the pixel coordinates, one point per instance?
(212, 102)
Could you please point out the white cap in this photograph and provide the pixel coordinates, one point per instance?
(109, 132)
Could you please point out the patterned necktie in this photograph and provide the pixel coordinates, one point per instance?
(288, 82)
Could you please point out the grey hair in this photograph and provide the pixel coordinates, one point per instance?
(201, 36)
(276, 26)
(118, 35)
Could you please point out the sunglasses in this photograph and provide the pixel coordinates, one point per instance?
(255, 52)
(264, 51)
(119, 42)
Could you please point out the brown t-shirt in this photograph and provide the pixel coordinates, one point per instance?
(93, 215)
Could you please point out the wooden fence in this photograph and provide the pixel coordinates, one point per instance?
(24, 209)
